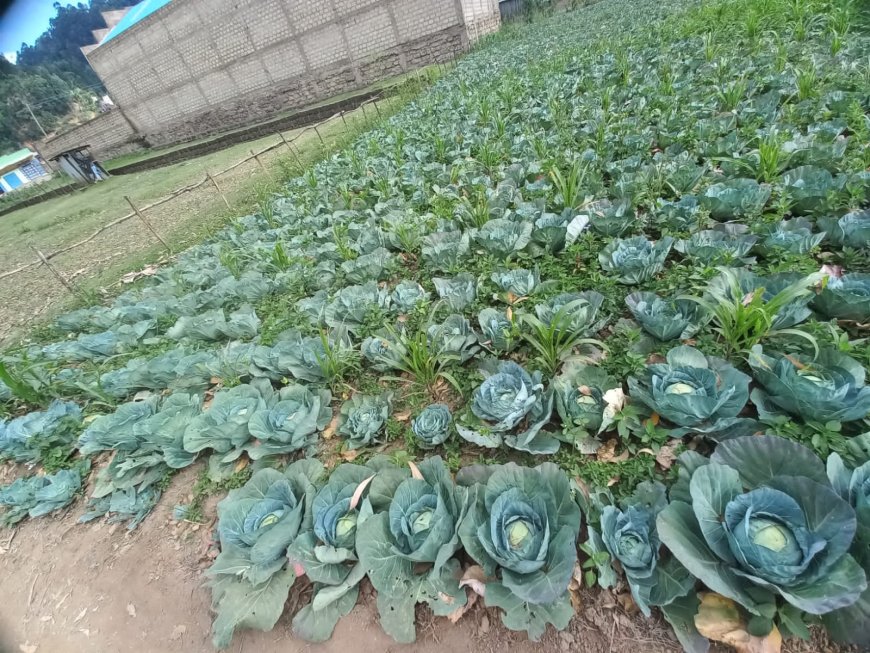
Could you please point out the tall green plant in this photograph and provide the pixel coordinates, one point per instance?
(743, 320)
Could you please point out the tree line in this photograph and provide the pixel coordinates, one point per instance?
(52, 82)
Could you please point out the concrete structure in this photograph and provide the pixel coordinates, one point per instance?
(109, 134)
(20, 169)
(189, 68)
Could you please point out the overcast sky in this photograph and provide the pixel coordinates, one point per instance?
(23, 22)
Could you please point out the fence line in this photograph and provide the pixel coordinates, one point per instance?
(43, 259)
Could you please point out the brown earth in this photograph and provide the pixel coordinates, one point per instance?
(95, 588)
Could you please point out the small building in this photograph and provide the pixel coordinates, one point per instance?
(21, 169)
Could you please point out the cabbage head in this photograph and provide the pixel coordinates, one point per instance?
(636, 259)
(432, 426)
(579, 310)
(224, 426)
(719, 246)
(579, 392)
(666, 319)
(764, 522)
(829, 388)
(629, 535)
(852, 230)
(522, 527)
(681, 215)
(809, 188)
(735, 198)
(352, 305)
(694, 392)
(845, 298)
(36, 496)
(24, 438)
(407, 550)
(852, 483)
(250, 579)
(445, 250)
(518, 282)
(408, 295)
(734, 284)
(454, 338)
(374, 266)
(290, 422)
(503, 238)
(793, 236)
(611, 219)
(363, 418)
(511, 407)
(497, 329)
(327, 552)
(458, 292)
(211, 326)
(302, 357)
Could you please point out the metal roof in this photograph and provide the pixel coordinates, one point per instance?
(11, 160)
(136, 14)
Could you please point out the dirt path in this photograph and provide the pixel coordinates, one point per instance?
(74, 588)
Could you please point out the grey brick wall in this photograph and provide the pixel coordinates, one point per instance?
(109, 134)
(197, 67)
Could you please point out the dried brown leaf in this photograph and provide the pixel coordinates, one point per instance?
(720, 619)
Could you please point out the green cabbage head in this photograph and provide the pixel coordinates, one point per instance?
(666, 319)
(432, 425)
(764, 522)
(629, 535)
(512, 407)
(407, 551)
(522, 527)
(327, 552)
(845, 298)
(290, 422)
(695, 392)
(250, 578)
(363, 418)
(635, 259)
(851, 230)
(830, 388)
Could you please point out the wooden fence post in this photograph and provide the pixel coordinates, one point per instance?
(317, 131)
(346, 128)
(375, 102)
(63, 280)
(147, 224)
(257, 159)
(217, 188)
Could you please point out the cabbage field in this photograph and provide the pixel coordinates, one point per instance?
(592, 311)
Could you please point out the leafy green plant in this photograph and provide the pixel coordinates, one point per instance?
(521, 528)
(511, 407)
(556, 340)
(362, 419)
(696, 393)
(762, 538)
(251, 578)
(407, 550)
(829, 388)
(743, 319)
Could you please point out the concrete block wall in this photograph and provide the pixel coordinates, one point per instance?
(109, 135)
(197, 67)
(481, 17)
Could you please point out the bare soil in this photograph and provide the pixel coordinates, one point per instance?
(73, 588)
